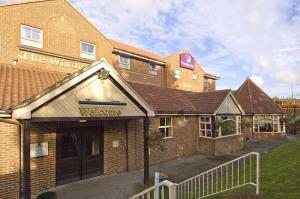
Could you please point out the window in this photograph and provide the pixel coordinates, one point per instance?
(87, 50)
(186, 118)
(124, 62)
(152, 69)
(195, 77)
(266, 123)
(165, 126)
(205, 126)
(206, 84)
(31, 36)
(228, 125)
(177, 73)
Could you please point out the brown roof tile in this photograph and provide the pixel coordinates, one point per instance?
(254, 100)
(137, 51)
(166, 100)
(20, 83)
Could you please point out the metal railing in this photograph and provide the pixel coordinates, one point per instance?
(233, 174)
(162, 190)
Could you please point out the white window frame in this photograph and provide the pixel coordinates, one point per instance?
(166, 126)
(152, 69)
(275, 122)
(122, 64)
(30, 41)
(85, 54)
(238, 126)
(195, 77)
(206, 130)
(177, 73)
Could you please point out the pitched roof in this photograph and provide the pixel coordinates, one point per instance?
(166, 100)
(20, 83)
(137, 51)
(254, 100)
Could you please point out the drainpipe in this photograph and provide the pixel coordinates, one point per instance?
(19, 141)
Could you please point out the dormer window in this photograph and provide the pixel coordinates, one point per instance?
(31, 36)
(152, 69)
(177, 73)
(124, 62)
(87, 50)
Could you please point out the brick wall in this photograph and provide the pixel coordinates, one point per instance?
(183, 143)
(63, 29)
(9, 161)
(139, 72)
(266, 136)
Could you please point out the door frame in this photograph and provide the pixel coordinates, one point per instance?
(80, 132)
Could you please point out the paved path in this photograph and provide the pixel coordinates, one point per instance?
(121, 186)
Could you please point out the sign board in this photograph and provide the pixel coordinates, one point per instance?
(38, 150)
(187, 61)
(98, 112)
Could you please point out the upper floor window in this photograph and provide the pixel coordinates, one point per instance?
(177, 73)
(87, 50)
(165, 126)
(195, 77)
(31, 36)
(152, 69)
(124, 62)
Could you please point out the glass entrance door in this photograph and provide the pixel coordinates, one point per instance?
(79, 153)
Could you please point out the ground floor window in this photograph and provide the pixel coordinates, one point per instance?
(165, 126)
(267, 123)
(228, 125)
(205, 126)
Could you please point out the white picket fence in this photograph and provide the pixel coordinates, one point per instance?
(231, 175)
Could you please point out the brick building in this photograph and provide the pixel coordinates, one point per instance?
(75, 104)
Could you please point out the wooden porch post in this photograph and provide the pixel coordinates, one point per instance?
(26, 159)
(213, 126)
(146, 150)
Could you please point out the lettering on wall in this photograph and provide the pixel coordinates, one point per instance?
(98, 112)
(45, 59)
(187, 61)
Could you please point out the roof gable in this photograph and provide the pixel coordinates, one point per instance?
(254, 100)
(24, 110)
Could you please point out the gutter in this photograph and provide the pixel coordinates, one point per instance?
(18, 124)
(139, 57)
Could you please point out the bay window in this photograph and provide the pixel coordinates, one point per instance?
(228, 125)
(267, 123)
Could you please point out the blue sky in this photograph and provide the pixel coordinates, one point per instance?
(233, 39)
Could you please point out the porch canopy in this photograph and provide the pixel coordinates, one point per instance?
(96, 92)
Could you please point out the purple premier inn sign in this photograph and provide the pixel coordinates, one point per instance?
(187, 61)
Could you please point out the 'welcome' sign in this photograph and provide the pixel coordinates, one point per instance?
(187, 61)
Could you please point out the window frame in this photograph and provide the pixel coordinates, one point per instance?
(151, 71)
(30, 41)
(87, 55)
(175, 73)
(123, 64)
(193, 77)
(166, 126)
(238, 125)
(206, 130)
(275, 122)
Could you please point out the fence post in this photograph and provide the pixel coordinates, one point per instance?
(257, 173)
(172, 189)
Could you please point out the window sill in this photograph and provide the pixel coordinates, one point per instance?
(226, 136)
(167, 138)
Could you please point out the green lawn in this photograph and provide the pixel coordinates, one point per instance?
(280, 173)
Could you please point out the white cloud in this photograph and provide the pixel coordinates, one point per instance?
(257, 80)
